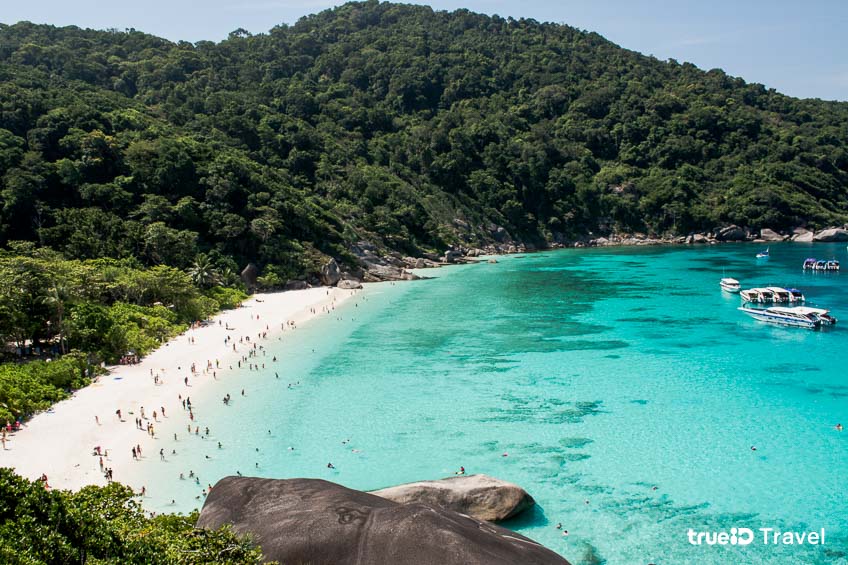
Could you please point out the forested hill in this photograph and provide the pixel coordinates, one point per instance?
(395, 124)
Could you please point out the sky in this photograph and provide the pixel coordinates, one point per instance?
(798, 47)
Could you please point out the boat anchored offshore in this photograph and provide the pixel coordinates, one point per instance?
(779, 294)
(763, 254)
(757, 295)
(796, 316)
(796, 295)
(772, 294)
(813, 264)
(729, 285)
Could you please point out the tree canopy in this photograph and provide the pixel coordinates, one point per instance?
(104, 525)
(388, 122)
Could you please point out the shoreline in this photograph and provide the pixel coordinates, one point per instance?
(61, 441)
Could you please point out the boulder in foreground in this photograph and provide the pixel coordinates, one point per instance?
(480, 496)
(299, 521)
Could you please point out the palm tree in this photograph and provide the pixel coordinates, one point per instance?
(55, 298)
(202, 271)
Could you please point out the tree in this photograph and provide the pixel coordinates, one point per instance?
(56, 296)
(203, 272)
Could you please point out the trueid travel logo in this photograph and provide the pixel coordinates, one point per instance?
(747, 536)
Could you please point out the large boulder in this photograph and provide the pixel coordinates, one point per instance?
(249, 275)
(770, 235)
(832, 234)
(731, 233)
(299, 521)
(349, 284)
(806, 237)
(330, 274)
(296, 285)
(480, 496)
(451, 255)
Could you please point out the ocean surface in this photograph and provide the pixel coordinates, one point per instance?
(620, 387)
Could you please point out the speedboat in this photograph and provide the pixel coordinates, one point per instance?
(798, 316)
(796, 295)
(729, 285)
(819, 313)
(832, 265)
(810, 264)
(780, 294)
(763, 254)
(757, 295)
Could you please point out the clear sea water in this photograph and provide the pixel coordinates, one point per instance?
(600, 373)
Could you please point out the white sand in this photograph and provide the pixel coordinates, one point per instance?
(60, 442)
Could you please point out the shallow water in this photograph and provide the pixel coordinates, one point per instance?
(600, 374)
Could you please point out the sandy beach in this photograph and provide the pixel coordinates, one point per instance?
(60, 442)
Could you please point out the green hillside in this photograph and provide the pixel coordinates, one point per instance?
(394, 124)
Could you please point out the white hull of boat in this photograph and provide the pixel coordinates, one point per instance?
(779, 319)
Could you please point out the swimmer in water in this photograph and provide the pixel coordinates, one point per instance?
(838, 427)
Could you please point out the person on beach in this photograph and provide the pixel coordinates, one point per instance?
(161, 455)
(461, 471)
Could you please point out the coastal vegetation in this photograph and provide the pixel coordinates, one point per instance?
(104, 525)
(110, 309)
(396, 124)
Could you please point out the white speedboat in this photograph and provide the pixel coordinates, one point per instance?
(820, 313)
(798, 316)
(780, 294)
(813, 264)
(757, 295)
(729, 285)
(796, 295)
(763, 254)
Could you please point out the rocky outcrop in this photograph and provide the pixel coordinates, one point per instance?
(499, 234)
(806, 237)
(832, 234)
(731, 233)
(249, 275)
(377, 267)
(480, 496)
(296, 285)
(770, 235)
(492, 261)
(330, 274)
(322, 523)
(451, 255)
(697, 238)
(349, 284)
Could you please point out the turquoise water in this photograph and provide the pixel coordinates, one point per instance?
(601, 374)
